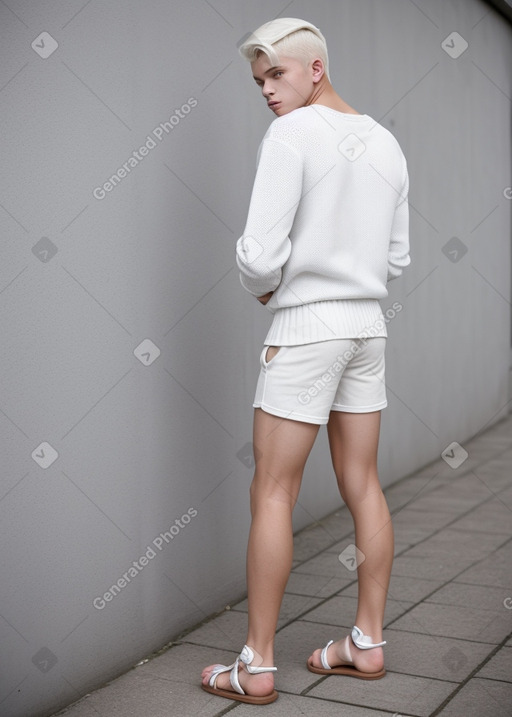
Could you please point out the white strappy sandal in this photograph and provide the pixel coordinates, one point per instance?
(364, 642)
(244, 658)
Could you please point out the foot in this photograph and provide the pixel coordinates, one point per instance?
(254, 685)
(363, 660)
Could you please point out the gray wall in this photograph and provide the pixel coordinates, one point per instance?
(129, 346)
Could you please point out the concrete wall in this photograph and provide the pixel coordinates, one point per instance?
(130, 351)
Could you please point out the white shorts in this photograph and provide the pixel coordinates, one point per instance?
(306, 382)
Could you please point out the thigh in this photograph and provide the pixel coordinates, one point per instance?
(281, 449)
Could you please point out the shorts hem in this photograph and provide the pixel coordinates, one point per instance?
(360, 409)
(291, 415)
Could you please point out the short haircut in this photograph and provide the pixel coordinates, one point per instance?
(295, 38)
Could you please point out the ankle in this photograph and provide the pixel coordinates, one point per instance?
(364, 634)
(263, 657)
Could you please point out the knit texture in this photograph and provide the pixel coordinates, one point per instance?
(328, 224)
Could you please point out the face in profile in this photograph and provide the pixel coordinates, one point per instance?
(286, 86)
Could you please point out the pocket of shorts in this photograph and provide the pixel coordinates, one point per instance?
(263, 356)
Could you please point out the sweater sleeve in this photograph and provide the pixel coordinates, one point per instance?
(265, 245)
(398, 253)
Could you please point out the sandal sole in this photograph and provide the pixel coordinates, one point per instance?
(347, 671)
(249, 699)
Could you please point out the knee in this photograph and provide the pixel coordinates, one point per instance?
(267, 490)
(357, 488)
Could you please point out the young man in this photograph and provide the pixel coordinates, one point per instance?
(327, 229)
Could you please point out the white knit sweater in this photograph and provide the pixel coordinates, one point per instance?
(328, 225)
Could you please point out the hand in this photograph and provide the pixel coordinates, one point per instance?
(266, 297)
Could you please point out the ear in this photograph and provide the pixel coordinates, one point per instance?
(317, 69)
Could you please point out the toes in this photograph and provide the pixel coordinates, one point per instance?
(315, 659)
(207, 673)
(255, 685)
(332, 657)
(222, 682)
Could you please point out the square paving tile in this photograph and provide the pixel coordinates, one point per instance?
(341, 544)
(457, 497)
(493, 570)
(495, 474)
(401, 694)
(483, 597)
(454, 544)
(481, 698)
(505, 497)
(434, 656)
(491, 517)
(435, 568)
(185, 662)
(499, 667)
(135, 694)
(310, 541)
(482, 449)
(338, 548)
(226, 632)
(455, 621)
(326, 564)
(411, 526)
(411, 590)
(342, 611)
(316, 585)
(405, 491)
(336, 523)
(291, 607)
(290, 705)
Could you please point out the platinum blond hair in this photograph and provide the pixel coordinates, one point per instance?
(286, 37)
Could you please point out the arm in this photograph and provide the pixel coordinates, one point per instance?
(398, 253)
(265, 245)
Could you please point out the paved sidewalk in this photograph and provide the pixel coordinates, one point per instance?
(448, 621)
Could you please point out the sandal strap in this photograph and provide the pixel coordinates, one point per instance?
(347, 657)
(247, 656)
(233, 678)
(218, 670)
(364, 642)
(323, 656)
(345, 649)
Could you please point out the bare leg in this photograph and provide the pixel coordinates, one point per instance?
(282, 447)
(353, 440)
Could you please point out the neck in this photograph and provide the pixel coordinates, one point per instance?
(324, 94)
(323, 91)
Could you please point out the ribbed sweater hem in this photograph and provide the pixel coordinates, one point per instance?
(325, 320)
